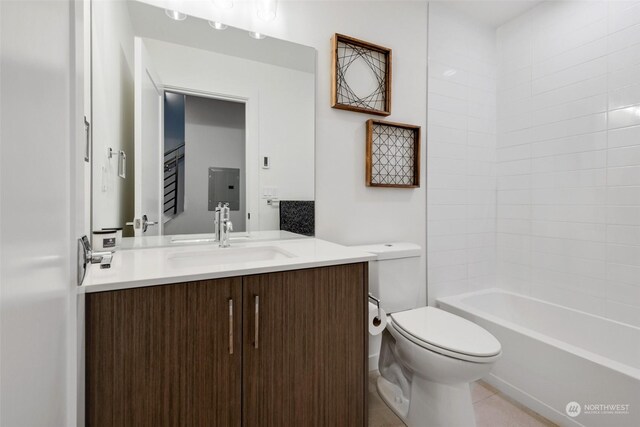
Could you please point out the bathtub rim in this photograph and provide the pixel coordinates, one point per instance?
(456, 301)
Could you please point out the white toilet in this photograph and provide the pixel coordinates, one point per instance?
(428, 356)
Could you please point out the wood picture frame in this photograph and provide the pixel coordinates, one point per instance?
(345, 50)
(392, 154)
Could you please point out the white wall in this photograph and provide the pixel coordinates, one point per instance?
(347, 211)
(112, 58)
(214, 137)
(461, 153)
(282, 97)
(569, 156)
(40, 170)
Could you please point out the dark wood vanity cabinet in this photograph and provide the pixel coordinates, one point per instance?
(277, 349)
(304, 348)
(161, 355)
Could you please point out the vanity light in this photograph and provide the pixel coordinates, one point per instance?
(223, 4)
(256, 35)
(174, 14)
(173, 11)
(217, 25)
(267, 9)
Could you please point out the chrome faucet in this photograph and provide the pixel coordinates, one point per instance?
(223, 226)
(216, 222)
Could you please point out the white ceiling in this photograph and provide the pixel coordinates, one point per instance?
(493, 13)
(151, 22)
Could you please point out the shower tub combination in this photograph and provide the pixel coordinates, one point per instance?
(557, 360)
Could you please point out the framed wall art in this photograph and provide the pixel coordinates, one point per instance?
(393, 155)
(361, 76)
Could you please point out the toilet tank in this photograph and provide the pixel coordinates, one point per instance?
(394, 276)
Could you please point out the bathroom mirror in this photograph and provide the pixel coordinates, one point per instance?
(190, 113)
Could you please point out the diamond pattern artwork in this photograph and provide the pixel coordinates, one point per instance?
(393, 154)
(349, 92)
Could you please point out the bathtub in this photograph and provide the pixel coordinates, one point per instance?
(559, 361)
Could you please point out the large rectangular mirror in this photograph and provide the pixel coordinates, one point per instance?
(187, 114)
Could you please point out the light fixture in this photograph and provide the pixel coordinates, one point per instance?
(173, 10)
(266, 9)
(256, 35)
(174, 14)
(217, 25)
(223, 4)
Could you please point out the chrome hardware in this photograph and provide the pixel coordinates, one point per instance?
(143, 223)
(84, 258)
(230, 325)
(122, 164)
(146, 223)
(377, 301)
(105, 259)
(87, 256)
(87, 135)
(102, 258)
(216, 222)
(122, 161)
(227, 228)
(223, 226)
(256, 333)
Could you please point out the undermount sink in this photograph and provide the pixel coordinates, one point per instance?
(191, 240)
(228, 256)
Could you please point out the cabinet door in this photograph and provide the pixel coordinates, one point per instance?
(162, 355)
(304, 359)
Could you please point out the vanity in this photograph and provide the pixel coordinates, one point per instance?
(194, 124)
(194, 336)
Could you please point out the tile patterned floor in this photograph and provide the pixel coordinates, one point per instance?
(492, 408)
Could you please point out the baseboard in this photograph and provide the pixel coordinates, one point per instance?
(373, 362)
(531, 402)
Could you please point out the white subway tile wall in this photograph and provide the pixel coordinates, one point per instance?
(461, 154)
(568, 156)
(533, 170)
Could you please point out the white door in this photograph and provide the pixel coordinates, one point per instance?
(149, 106)
(42, 153)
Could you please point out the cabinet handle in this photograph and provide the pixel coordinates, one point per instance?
(256, 337)
(230, 325)
(87, 140)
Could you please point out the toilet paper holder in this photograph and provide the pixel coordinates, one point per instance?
(377, 302)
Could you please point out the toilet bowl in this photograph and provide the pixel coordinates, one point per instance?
(427, 359)
(427, 356)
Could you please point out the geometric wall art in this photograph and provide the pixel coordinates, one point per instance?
(393, 155)
(361, 76)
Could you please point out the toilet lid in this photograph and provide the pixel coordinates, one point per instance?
(448, 331)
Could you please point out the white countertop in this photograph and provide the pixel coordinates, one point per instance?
(153, 266)
(190, 239)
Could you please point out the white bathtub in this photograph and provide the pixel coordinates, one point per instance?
(554, 355)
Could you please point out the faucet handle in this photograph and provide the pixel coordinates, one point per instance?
(225, 212)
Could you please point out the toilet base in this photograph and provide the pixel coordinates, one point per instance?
(391, 394)
(431, 404)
